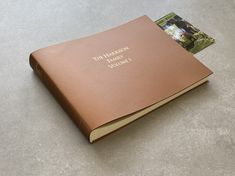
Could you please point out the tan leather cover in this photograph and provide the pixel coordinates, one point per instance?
(111, 74)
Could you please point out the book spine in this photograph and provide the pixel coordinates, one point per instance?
(61, 99)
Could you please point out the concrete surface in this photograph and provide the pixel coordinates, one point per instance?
(192, 135)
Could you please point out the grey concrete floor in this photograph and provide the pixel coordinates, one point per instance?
(192, 135)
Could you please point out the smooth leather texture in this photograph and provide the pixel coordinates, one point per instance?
(159, 69)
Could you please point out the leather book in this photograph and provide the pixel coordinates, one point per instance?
(109, 79)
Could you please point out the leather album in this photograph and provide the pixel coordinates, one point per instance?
(109, 79)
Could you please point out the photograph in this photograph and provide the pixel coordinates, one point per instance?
(184, 33)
